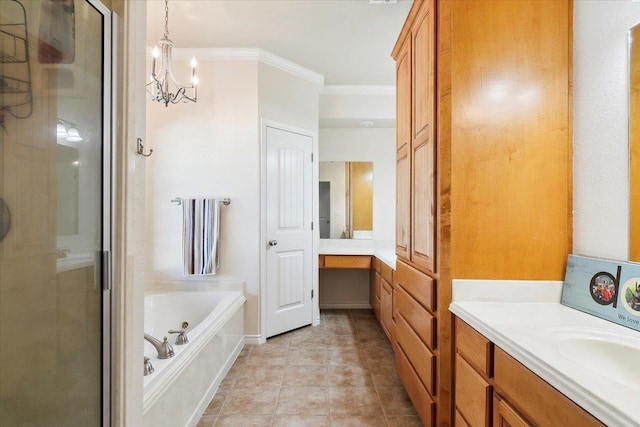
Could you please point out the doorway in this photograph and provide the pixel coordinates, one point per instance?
(289, 229)
(324, 208)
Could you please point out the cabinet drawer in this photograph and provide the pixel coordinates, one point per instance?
(420, 320)
(415, 389)
(421, 359)
(386, 272)
(473, 395)
(375, 264)
(347, 261)
(475, 348)
(417, 284)
(505, 416)
(534, 398)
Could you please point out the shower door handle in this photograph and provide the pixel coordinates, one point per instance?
(273, 242)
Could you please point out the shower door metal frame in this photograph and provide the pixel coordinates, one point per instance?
(103, 261)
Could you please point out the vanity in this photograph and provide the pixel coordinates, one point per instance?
(523, 359)
(346, 269)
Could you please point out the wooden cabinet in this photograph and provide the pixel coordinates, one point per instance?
(415, 143)
(494, 389)
(473, 372)
(535, 398)
(505, 416)
(386, 308)
(345, 261)
(375, 288)
(403, 150)
(484, 133)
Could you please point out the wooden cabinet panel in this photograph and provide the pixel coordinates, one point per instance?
(423, 205)
(347, 261)
(535, 398)
(475, 348)
(386, 309)
(505, 416)
(473, 395)
(403, 96)
(423, 72)
(510, 144)
(403, 203)
(374, 292)
(386, 272)
(421, 399)
(403, 149)
(420, 320)
(421, 358)
(459, 420)
(417, 284)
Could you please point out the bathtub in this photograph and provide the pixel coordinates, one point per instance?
(180, 388)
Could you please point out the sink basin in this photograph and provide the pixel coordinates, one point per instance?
(604, 353)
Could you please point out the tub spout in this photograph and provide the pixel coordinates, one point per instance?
(163, 348)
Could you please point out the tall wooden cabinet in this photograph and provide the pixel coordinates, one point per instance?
(484, 167)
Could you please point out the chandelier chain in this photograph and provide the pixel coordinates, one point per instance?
(166, 19)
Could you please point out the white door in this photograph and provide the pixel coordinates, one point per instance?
(289, 242)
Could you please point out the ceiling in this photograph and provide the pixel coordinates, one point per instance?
(349, 42)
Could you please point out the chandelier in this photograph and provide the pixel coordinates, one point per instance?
(163, 86)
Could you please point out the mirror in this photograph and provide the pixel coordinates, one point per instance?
(634, 144)
(67, 166)
(346, 200)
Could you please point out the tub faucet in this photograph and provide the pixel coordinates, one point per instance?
(163, 348)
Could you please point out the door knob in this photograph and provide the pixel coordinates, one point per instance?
(273, 242)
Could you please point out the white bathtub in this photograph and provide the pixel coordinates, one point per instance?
(178, 392)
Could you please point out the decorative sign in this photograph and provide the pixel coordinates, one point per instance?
(604, 288)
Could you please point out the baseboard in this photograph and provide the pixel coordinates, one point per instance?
(254, 340)
(346, 306)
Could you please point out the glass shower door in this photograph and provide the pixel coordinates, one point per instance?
(54, 145)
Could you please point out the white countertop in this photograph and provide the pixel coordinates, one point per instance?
(74, 262)
(524, 326)
(384, 250)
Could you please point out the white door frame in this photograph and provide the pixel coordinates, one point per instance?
(264, 123)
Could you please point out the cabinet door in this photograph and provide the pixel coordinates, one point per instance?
(424, 206)
(423, 72)
(403, 144)
(504, 415)
(386, 308)
(423, 153)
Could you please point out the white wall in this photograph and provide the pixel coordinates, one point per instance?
(601, 188)
(208, 149)
(375, 145)
(213, 149)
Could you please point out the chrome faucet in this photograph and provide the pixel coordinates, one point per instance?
(163, 348)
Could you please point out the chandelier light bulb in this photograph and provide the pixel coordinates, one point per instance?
(163, 86)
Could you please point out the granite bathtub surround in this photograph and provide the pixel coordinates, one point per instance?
(341, 373)
(525, 319)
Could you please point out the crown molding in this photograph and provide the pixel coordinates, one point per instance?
(358, 90)
(249, 54)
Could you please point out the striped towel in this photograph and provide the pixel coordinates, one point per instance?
(200, 231)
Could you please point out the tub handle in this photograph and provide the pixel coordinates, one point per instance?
(182, 338)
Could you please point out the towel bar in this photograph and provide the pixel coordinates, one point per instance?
(178, 201)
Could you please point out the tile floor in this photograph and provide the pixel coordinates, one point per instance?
(339, 374)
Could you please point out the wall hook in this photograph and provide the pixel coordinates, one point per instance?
(140, 148)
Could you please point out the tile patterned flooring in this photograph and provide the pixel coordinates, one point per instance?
(339, 374)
